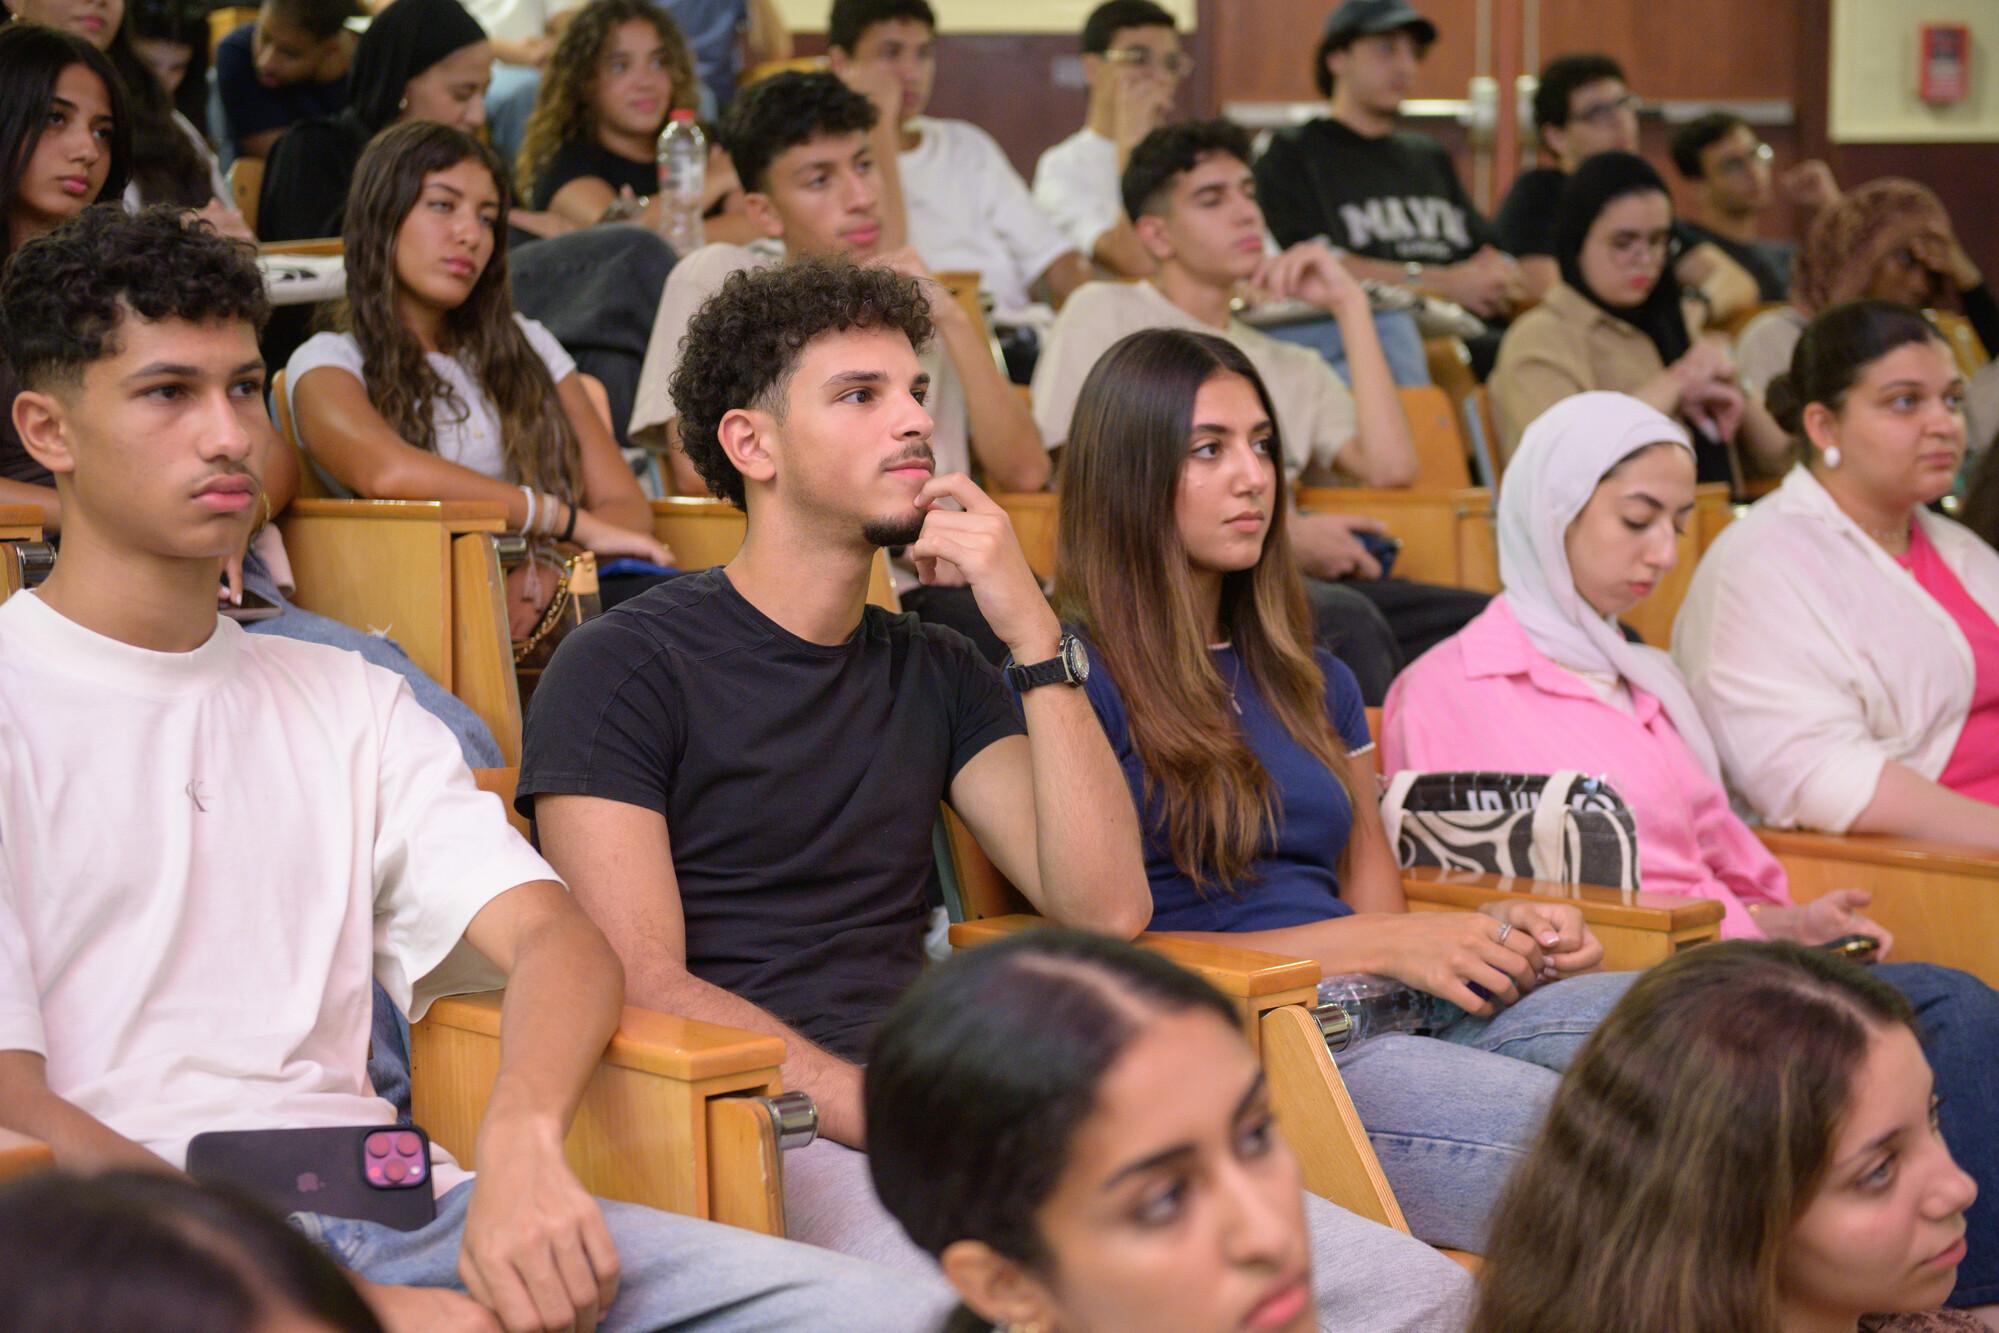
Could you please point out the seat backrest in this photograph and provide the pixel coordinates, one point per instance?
(310, 484)
(1963, 339)
(704, 533)
(246, 186)
(1440, 445)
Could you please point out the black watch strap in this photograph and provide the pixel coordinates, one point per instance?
(1069, 666)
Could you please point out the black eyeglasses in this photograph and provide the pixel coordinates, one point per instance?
(1603, 113)
(1177, 64)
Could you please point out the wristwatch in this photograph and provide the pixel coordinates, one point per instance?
(1070, 666)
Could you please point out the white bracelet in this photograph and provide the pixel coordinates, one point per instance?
(527, 524)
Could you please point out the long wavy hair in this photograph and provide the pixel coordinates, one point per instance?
(537, 440)
(32, 58)
(565, 108)
(1123, 575)
(1684, 1143)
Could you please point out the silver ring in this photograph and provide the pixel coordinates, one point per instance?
(1505, 929)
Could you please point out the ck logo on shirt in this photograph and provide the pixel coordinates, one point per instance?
(193, 790)
(1417, 227)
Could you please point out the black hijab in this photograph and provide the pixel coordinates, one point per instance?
(1599, 182)
(305, 185)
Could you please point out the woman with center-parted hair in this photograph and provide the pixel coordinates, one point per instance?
(1079, 1133)
(1748, 1144)
(434, 389)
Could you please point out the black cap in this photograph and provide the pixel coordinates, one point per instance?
(1365, 18)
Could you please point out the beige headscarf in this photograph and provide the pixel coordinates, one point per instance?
(1849, 240)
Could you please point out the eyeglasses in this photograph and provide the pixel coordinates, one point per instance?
(1740, 163)
(1175, 64)
(1603, 114)
(1627, 246)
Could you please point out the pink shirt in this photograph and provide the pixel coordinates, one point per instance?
(1973, 769)
(1486, 699)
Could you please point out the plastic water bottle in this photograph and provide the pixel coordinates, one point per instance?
(683, 176)
(1375, 1006)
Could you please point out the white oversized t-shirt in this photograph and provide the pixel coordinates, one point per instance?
(969, 210)
(1315, 410)
(206, 857)
(470, 438)
(1076, 184)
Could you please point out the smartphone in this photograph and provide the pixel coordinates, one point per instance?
(253, 608)
(1854, 948)
(1384, 549)
(371, 1173)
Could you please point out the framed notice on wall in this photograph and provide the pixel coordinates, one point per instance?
(968, 16)
(1913, 71)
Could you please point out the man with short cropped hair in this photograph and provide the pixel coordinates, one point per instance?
(1193, 198)
(1729, 167)
(1388, 198)
(1134, 67)
(968, 209)
(287, 65)
(272, 826)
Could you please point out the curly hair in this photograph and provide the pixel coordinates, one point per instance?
(851, 19)
(744, 343)
(565, 107)
(1170, 152)
(65, 294)
(539, 444)
(787, 110)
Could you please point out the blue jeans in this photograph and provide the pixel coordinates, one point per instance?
(1401, 343)
(1452, 1115)
(675, 1272)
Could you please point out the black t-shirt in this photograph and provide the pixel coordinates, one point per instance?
(799, 782)
(1769, 262)
(587, 157)
(1396, 197)
(248, 107)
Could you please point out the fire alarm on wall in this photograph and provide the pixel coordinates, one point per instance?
(1943, 74)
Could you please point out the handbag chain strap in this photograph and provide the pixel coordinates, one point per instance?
(550, 617)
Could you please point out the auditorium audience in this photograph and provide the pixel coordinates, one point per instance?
(967, 208)
(1888, 240)
(1134, 67)
(1615, 321)
(739, 771)
(1749, 1143)
(171, 162)
(1078, 1132)
(1583, 106)
(1244, 749)
(291, 63)
(422, 60)
(727, 36)
(1839, 638)
(170, 38)
(1194, 198)
(434, 389)
(810, 151)
(1390, 199)
(144, 1252)
(312, 777)
(1729, 167)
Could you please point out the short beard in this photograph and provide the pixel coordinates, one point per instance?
(892, 531)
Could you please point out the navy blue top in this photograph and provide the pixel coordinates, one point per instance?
(248, 107)
(1296, 878)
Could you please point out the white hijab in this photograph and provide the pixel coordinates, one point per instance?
(1562, 457)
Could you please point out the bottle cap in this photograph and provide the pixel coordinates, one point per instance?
(682, 113)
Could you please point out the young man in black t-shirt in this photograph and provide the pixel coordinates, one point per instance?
(1730, 169)
(739, 773)
(1389, 198)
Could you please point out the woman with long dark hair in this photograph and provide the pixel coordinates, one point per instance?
(65, 140)
(1079, 1134)
(433, 388)
(1615, 321)
(1747, 1144)
(1245, 749)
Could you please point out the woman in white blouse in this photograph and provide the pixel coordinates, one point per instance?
(1840, 639)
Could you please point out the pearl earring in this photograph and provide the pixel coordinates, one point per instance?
(1832, 456)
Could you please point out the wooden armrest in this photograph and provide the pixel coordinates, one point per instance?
(20, 523)
(456, 515)
(1463, 499)
(1637, 929)
(1875, 849)
(317, 245)
(20, 1154)
(663, 1122)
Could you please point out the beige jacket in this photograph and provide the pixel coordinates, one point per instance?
(1565, 345)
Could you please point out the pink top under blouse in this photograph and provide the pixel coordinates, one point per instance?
(1973, 769)
(1486, 699)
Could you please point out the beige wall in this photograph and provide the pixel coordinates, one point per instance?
(1873, 73)
(967, 16)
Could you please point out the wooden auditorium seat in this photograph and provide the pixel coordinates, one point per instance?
(20, 1154)
(23, 553)
(246, 188)
(424, 572)
(1447, 536)
(703, 533)
(1653, 617)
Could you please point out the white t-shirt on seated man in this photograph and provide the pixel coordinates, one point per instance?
(968, 209)
(211, 843)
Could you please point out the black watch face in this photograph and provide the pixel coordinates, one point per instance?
(1076, 658)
